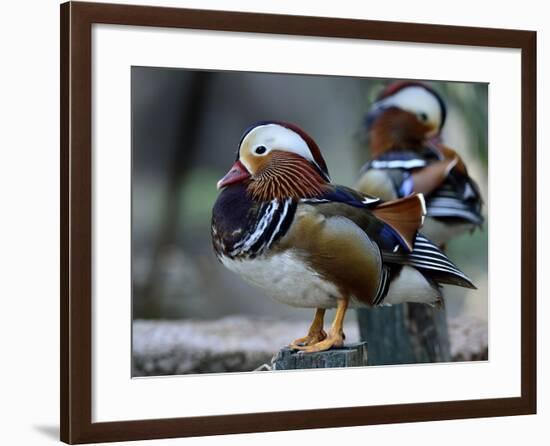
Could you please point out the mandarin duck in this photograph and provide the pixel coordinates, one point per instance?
(283, 226)
(404, 128)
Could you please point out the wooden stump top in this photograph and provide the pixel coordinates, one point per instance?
(351, 355)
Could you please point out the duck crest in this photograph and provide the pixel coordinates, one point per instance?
(244, 228)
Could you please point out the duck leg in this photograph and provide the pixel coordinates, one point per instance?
(335, 337)
(315, 333)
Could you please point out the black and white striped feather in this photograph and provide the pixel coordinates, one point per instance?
(386, 276)
(269, 224)
(429, 259)
(448, 202)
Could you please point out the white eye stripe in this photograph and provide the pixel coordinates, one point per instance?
(276, 136)
(416, 100)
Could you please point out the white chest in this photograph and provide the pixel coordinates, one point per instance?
(286, 278)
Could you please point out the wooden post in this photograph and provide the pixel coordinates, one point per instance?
(351, 355)
(405, 334)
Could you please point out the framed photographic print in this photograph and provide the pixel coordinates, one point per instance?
(256, 207)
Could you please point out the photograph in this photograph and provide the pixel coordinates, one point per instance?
(292, 221)
(278, 222)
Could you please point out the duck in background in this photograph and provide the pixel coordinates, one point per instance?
(408, 157)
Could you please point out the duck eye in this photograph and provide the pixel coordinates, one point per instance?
(260, 150)
(423, 117)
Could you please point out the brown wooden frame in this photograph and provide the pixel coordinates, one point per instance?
(76, 221)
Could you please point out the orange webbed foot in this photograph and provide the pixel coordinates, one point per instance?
(332, 340)
(310, 339)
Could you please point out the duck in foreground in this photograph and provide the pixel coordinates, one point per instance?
(404, 127)
(282, 225)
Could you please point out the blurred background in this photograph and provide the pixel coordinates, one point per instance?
(186, 125)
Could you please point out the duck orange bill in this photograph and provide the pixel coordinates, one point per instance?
(236, 174)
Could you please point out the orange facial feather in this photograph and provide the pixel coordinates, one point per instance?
(397, 129)
(285, 175)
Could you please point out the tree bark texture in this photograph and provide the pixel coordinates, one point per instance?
(405, 334)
